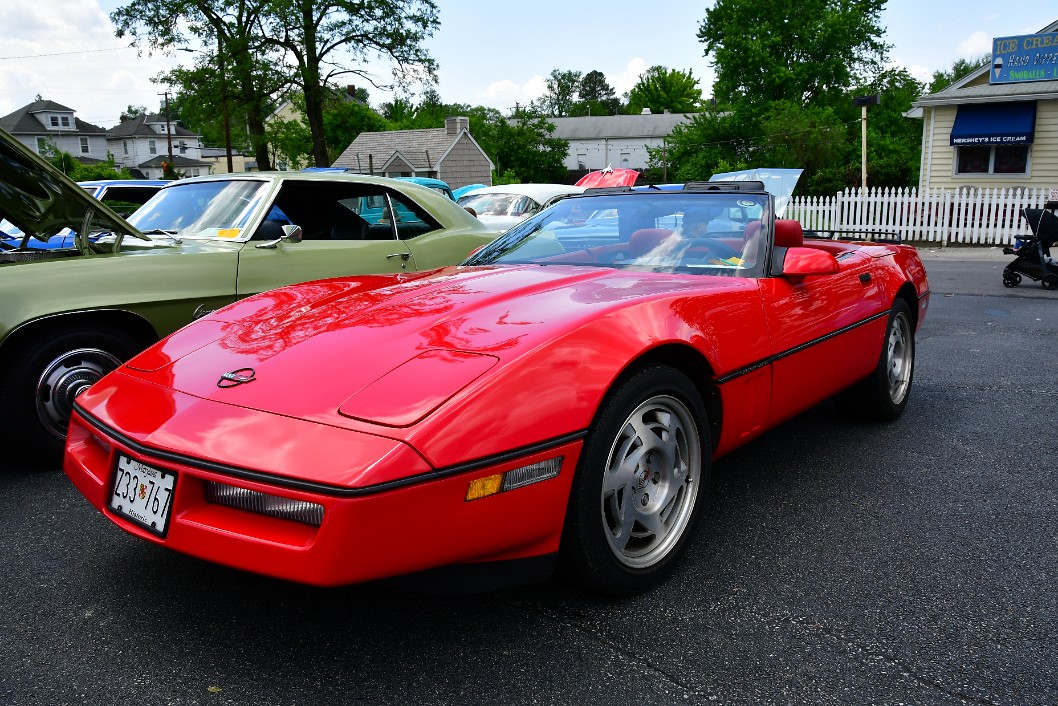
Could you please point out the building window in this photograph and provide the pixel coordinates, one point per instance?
(65, 121)
(125, 147)
(582, 160)
(183, 147)
(42, 145)
(84, 145)
(55, 121)
(992, 159)
(152, 146)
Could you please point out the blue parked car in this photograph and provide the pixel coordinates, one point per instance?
(123, 196)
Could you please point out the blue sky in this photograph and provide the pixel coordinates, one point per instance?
(490, 53)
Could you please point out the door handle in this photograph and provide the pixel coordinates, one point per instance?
(402, 255)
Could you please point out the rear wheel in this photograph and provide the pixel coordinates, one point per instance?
(1050, 282)
(640, 484)
(38, 384)
(884, 394)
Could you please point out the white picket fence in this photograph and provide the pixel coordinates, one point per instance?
(969, 216)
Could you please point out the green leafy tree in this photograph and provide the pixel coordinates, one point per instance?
(800, 52)
(661, 89)
(597, 97)
(322, 36)
(960, 68)
(560, 94)
(244, 72)
(78, 171)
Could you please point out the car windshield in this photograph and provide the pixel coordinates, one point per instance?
(203, 209)
(494, 204)
(696, 232)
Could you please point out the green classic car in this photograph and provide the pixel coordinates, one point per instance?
(68, 316)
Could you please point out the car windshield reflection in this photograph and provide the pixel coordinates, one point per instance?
(206, 209)
(686, 232)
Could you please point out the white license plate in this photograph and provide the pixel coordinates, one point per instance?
(143, 494)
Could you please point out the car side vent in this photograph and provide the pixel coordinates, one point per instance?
(724, 186)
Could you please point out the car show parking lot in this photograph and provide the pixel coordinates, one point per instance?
(837, 562)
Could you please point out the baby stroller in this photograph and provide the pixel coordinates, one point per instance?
(1034, 252)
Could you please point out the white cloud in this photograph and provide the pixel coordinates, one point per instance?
(625, 80)
(66, 51)
(975, 45)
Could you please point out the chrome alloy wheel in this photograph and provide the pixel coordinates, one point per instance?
(900, 357)
(651, 481)
(64, 379)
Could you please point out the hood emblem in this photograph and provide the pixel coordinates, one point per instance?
(236, 377)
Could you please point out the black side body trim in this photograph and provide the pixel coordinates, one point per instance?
(796, 349)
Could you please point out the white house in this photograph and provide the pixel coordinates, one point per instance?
(46, 123)
(143, 143)
(619, 141)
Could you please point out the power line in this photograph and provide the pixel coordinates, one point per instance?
(64, 53)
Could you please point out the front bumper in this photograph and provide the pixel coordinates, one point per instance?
(366, 533)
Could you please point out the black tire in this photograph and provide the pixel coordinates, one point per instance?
(39, 381)
(640, 484)
(883, 395)
(1011, 279)
(1050, 282)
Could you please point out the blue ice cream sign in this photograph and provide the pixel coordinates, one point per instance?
(1030, 57)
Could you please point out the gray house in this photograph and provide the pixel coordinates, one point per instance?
(618, 141)
(447, 153)
(46, 123)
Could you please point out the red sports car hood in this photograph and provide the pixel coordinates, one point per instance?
(388, 349)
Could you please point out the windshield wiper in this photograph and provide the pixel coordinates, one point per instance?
(168, 233)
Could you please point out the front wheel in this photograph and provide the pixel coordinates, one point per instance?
(1011, 279)
(39, 382)
(884, 394)
(640, 484)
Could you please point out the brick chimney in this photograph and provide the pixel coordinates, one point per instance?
(454, 125)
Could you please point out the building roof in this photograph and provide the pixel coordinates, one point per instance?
(420, 148)
(140, 126)
(22, 122)
(597, 127)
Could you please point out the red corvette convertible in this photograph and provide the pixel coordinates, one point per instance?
(557, 400)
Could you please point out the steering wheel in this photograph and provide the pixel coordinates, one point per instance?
(703, 248)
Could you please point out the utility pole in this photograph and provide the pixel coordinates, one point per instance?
(168, 130)
(224, 101)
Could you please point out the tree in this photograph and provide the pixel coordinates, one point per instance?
(661, 89)
(800, 52)
(133, 111)
(597, 97)
(244, 75)
(560, 94)
(314, 32)
(960, 68)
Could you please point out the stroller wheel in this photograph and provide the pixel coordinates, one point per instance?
(1050, 282)
(1011, 279)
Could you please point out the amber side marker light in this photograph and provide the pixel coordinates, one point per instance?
(513, 479)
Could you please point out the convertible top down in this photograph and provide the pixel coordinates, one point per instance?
(558, 398)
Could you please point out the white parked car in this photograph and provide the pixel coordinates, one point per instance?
(500, 207)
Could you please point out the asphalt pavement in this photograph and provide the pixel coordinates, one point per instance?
(838, 562)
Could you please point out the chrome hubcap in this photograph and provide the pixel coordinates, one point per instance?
(64, 379)
(651, 481)
(899, 358)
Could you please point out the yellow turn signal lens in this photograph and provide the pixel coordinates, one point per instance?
(484, 487)
(517, 478)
